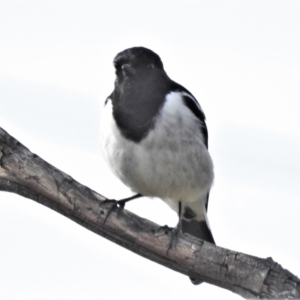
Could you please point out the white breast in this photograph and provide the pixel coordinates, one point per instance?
(171, 163)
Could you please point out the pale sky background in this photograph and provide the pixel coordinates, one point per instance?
(241, 60)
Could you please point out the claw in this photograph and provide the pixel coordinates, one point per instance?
(114, 204)
(165, 229)
(118, 203)
(174, 238)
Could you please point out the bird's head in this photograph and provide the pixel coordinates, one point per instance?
(136, 61)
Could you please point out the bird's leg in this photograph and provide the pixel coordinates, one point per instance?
(121, 203)
(118, 203)
(193, 280)
(174, 238)
(179, 214)
(175, 232)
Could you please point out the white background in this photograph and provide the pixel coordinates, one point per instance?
(241, 59)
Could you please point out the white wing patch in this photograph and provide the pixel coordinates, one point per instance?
(191, 97)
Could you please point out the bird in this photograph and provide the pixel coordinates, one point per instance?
(155, 139)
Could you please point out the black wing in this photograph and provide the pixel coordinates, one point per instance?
(191, 102)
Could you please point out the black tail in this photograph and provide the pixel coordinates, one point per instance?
(198, 229)
(193, 221)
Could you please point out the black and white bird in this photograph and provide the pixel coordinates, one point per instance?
(155, 140)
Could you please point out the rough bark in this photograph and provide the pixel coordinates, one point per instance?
(28, 175)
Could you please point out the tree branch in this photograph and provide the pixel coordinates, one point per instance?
(26, 174)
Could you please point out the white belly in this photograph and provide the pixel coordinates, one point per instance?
(171, 163)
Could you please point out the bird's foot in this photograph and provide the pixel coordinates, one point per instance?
(173, 241)
(164, 230)
(114, 203)
(120, 204)
(169, 231)
(174, 238)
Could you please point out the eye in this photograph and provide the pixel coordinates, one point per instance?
(150, 66)
(127, 69)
